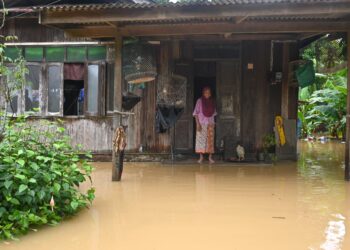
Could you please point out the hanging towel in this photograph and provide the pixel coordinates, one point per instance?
(280, 130)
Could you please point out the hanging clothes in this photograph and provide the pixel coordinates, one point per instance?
(74, 71)
(166, 117)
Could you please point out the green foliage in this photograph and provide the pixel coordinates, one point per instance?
(322, 106)
(324, 109)
(38, 166)
(13, 80)
(269, 143)
(326, 52)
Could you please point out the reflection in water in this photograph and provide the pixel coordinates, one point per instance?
(291, 205)
(323, 163)
(335, 233)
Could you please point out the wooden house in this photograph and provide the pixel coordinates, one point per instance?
(243, 49)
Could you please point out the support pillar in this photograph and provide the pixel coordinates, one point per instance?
(347, 147)
(285, 82)
(289, 105)
(118, 90)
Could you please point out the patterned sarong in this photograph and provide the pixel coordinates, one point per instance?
(205, 140)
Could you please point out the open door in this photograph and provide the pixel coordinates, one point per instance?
(228, 94)
(184, 126)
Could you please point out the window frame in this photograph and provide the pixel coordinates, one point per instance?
(19, 96)
(41, 86)
(104, 79)
(46, 89)
(101, 97)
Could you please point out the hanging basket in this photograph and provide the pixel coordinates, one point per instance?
(139, 64)
(171, 90)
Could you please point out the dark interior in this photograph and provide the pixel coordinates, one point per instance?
(72, 105)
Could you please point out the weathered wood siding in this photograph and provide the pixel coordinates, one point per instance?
(94, 134)
(142, 131)
(228, 104)
(29, 30)
(256, 118)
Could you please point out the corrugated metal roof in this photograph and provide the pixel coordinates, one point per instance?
(232, 19)
(123, 4)
(294, 18)
(32, 3)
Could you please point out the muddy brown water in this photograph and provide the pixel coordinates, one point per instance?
(304, 205)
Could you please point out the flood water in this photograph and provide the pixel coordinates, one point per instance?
(304, 205)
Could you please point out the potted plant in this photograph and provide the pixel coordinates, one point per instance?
(269, 147)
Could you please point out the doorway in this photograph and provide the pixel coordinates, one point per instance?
(204, 76)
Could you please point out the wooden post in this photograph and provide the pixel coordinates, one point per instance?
(118, 90)
(285, 82)
(347, 147)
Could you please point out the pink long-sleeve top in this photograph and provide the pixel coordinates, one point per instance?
(203, 120)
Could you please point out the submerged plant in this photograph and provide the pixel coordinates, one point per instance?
(40, 176)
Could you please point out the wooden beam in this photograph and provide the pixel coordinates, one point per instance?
(240, 19)
(209, 28)
(94, 32)
(305, 36)
(190, 12)
(110, 32)
(222, 28)
(233, 37)
(347, 145)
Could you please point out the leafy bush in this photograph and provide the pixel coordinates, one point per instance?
(324, 110)
(40, 177)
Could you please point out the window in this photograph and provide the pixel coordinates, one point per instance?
(95, 89)
(92, 97)
(76, 54)
(55, 54)
(55, 86)
(13, 106)
(49, 91)
(96, 53)
(13, 52)
(34, 54)
(32, 88)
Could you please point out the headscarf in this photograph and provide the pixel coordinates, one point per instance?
(208, 104)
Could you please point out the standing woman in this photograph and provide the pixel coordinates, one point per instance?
(204, 114)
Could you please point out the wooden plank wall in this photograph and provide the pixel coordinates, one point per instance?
(142, 131)
(94, 134)
(256, 109)
(29, 30)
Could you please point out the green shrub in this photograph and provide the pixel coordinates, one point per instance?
(40, 177)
